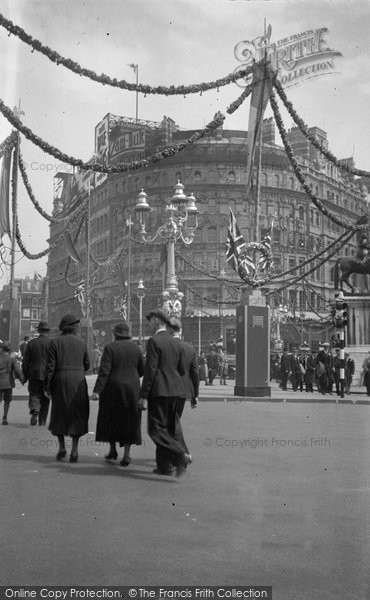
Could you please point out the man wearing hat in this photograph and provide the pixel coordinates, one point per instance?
(163, 389)
(34, 371)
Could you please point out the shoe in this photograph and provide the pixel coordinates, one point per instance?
(5, 422)
(61, 454)
(34, 418)
(125, 462)
(181, 468)
(73, 457)
(168, 472)
(112, 455)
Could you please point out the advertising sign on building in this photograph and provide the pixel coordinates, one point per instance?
(126, 144)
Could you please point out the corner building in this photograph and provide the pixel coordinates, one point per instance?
(214, 169)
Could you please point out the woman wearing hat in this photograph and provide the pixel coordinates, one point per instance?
(118, 387)
(65, 381)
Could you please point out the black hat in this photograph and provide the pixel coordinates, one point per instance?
(67, 321)
(159, 314)
(121, 330)
(43, 326)
(175, 323)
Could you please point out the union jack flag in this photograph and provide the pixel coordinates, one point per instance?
(238, 260)
(265, 261)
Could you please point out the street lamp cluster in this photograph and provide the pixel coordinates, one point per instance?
(181, 223)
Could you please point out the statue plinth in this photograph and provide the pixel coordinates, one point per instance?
(252, 375)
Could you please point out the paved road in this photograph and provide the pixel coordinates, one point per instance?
(278, 494)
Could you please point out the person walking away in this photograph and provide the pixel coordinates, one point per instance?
(9, 370)
(191, 377)
(161, 390)
(366, 373)
(34, 371)
(349, 371)
(66, 366)
(23, 345)
(117, 388)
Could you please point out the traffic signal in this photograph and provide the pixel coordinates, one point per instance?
(341, 313)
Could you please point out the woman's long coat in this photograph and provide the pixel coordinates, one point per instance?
(65, 379)
(118, 385)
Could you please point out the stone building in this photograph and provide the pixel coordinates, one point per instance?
(214, 169)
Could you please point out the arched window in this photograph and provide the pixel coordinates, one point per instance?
(291, 183)
(265, 179)
(231, 176)
(301, 213)
(197, 176)
(277, 180)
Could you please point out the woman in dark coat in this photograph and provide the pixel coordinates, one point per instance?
(65, 381)
(118, 388)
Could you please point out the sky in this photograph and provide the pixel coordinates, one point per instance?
(178, 42)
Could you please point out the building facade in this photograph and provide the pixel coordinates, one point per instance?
(214, 169)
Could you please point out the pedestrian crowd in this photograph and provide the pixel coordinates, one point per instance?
(212, 365)
(127, 384)
(306, 369)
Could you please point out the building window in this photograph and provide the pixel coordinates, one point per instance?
(197, 176)
(231, 177)
(277, 180)
(212, 235)
(26, 313)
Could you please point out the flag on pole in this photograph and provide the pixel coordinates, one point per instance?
(239, 261)
(265, 260)
(71, 248)
(4, 195)
(133, 67)
(262, 86)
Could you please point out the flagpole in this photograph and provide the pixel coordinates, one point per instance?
(137, 93)
(87, 280)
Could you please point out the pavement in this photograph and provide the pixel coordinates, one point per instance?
(278, 494)
(219, 393)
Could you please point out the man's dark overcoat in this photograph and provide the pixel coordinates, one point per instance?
(118, 386)
(35, 357)
(65, 379)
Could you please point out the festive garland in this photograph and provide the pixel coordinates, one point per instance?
(239, 101)
(58, 59)
(289, 151)
(315, 257)
(314, 268)
(17, 232)
(93, 166)
(39, 208)
(8, 143)
(304, 129)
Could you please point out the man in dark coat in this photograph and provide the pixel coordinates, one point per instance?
(34, 371)
(191, 377)
(118, 387)
(66, 365)
(285, 369)
(163, 389)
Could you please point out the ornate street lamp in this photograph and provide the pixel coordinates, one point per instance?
(280, 316)
(181, 223)
(141, 295)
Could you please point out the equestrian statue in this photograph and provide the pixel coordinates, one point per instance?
(344, 267)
